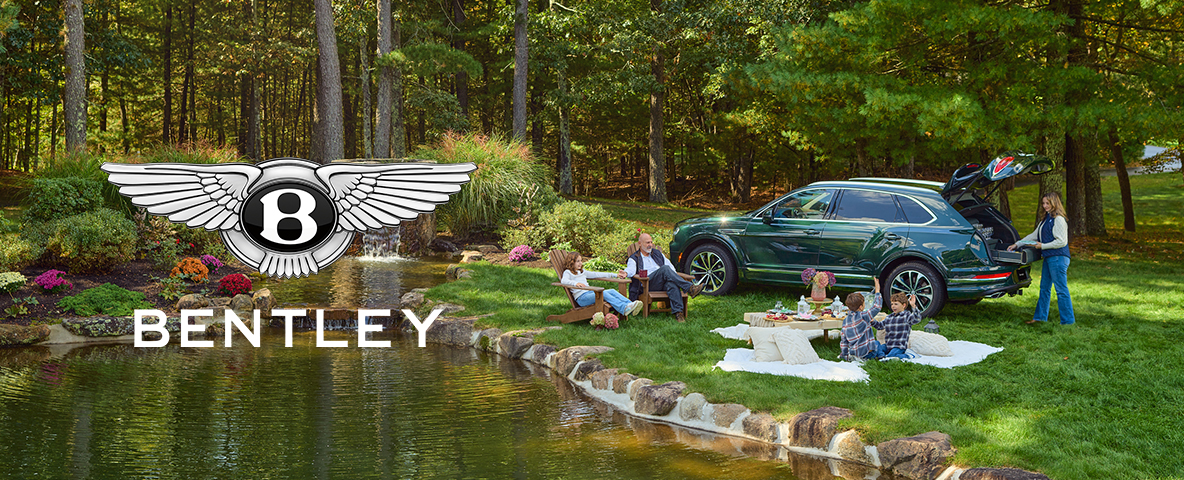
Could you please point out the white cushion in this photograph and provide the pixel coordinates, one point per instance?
(763, 344)
(929, 344)
(795, 347)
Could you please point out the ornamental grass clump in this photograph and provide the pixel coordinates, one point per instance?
(234, 284)
(522, 253)
(53, 281)
(192, 269)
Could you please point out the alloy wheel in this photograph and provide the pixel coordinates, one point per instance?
(709, 270)
(913, 282)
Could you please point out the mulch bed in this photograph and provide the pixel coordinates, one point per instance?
(135, 275)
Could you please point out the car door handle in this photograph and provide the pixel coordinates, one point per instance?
(891, 236)
(813, 232)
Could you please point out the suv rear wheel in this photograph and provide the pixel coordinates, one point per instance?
(920, 279)
(713, 268)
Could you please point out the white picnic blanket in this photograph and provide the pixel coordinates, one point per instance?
(740, 359)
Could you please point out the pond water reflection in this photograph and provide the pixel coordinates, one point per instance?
(354, 282)
(303, 412)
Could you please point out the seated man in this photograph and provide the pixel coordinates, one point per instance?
(662, 276)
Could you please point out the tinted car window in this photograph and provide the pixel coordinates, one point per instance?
(810, 204)
(913, 211)
(867, 206)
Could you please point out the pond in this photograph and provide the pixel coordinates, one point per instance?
(114, 411)
(367, 282)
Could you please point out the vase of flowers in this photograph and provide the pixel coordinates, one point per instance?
(818, 280)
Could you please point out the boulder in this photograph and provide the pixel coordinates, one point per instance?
(636, 386)
(761, 426)
(691, 406)
(815, 427)
(242, 302)
(102, 326)
(471, 256)
(450, 331)
(11, 335)
(1001, 474)
(219, 302)
(411, 300)
(487, 339)
(567, 358)
(418, 235)
(621, 382)
(450, 272)
(658, 400)
(724, 415)
(486, 248)
(848, 446)
(603, 379)
(193, 301)
(538, 353)
(514, 344)
(922, 457)
(585, 369)
(441, 245)
(264, 301)
(463, 273)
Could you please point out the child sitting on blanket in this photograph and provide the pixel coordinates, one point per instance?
(857, 342)
(898, 325)
(576, 276)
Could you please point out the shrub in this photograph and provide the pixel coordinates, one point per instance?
(90, 242)
(17, 251)
(53, 281)
(9, 226)
(522, 253)
(194, 241)
(234, 284)
(172, 288)
(530, 236)
(578, 224)
(11, 282)
(105, 299)
(56, 198)
(613, 244)
(505, 178)
(601, 264)
(565, 246)
(212, 263)
(192, 269)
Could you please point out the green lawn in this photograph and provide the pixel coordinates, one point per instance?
(1097, 400)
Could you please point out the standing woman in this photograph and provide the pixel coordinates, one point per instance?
(1052, 239)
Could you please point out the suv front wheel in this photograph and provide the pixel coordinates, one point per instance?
(713, 268)
(920, 279)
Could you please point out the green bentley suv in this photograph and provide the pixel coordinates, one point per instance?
(941, 242)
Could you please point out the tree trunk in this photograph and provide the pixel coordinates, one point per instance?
(1095, 217)
(1053, 181)
(187, 85)
(565, 181)
(349, 105)
(520, 77)
(167, 127)
(74, 94)
(1075, 184)
(364, 73)
(458, 42)
(330, 125)
(399, 127)
(123, 122)
(382, 125)
(861, 158)
(1124, 182)
(657, 173)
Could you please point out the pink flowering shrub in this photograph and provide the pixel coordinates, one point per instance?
(52, 281)
(522, 253)
(211, 262)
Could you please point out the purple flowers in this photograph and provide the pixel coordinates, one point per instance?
(52, 281)
(522, 253)
(211, 262)
(811, 276)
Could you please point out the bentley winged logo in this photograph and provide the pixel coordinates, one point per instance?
(288, 217)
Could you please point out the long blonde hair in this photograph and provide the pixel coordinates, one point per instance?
(570, 264)
(1058, 208)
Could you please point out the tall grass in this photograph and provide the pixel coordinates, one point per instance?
(506, 177)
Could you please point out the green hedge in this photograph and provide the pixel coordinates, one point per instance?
(55, 198)
(89, 242)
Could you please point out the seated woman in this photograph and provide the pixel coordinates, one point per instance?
(575, 275)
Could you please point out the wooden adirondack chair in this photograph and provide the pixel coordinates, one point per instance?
(647, 297)
(558, 260)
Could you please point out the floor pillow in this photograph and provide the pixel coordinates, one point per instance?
(763, 344)
(795, 347)
(929, 344)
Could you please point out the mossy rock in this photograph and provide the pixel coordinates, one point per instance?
(13, 335)
(111, 326)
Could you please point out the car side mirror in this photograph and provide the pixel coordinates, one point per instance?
(767, 217)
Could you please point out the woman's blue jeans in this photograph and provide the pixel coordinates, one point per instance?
(1055, 273)
(619, 302)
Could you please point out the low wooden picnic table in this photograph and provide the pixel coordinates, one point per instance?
(826, 323)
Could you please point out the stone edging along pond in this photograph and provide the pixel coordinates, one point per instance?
(813, 433)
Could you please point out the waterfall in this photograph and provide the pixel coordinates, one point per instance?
(381, 244)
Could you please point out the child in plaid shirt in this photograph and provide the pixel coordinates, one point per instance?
(898, 325)
(857, 342)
